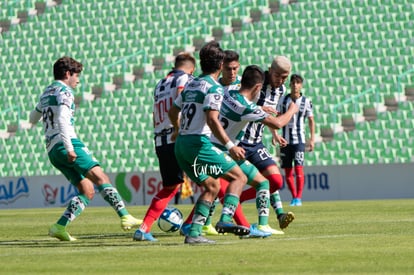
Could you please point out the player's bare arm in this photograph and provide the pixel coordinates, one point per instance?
(311, 122)
(269, 110)
(173, 114)
(281, 120)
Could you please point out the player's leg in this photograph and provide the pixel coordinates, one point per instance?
(237, 180)
(272, 173)
(260, 157)
(58, 158)
(208, 228)
(172, 177)
(112, 197)
(239, 216)
(299, 173)
(202, 211)
(197, 159)
(286, 157)
(75, 207)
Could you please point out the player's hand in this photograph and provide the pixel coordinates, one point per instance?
(72, 156)
(269, 110)
(311, 145)
(237, 153)
(281, 141)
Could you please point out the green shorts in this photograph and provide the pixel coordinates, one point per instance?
(199, 158)
(77, 170)
(248, 169)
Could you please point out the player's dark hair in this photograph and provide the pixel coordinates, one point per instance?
(64, 64)
(252, 75)
(230, 56)
(295, 78)
(182, 58)
(211, 57)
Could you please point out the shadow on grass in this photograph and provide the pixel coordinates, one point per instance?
(94, 240)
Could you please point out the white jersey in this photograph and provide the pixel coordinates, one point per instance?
(57, 107)
(164, 95)
(201, 94)
(294, 131)
(268, 97)
(235, 112)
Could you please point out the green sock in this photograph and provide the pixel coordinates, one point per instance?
(111, 195)
(74, 209)
(201, 212)
(229, 207)
(262, 202)
(276, 203)
(212, 210)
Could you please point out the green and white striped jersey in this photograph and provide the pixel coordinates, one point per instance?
(57, 107)
(201, 94)
(236, 111)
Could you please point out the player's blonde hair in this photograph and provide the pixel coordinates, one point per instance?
(282, 63)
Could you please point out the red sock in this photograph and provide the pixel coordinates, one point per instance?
(157, 206)
(248, 194)
(190, 216)
(290, 181)
(239, 217)
(300, 181)
(275, 182)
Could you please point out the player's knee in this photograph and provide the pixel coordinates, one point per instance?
(242, 178)
(212, 187)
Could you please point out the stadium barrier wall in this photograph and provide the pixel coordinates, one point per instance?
(322, 183)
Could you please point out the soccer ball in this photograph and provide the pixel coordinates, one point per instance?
(170, 220)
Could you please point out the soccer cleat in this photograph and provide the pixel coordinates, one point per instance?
(59, 231)
(256, 233)
(285, 219)
(293, 202)
(198, 240)
(142, 236)
(267, 228)
(298, 202)
(185, 229)
(229, 227)
(128, 222)
(209, 230)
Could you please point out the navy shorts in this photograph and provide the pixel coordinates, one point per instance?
(258, 155)
(292, 153)
(171, 173)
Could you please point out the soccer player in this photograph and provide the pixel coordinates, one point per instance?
(166, 91)
(273, 88)
(203, 162)
(294, 133)
(238, 108)
(68, 154)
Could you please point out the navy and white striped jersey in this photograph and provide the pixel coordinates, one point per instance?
(164, 95)
(268, 97)
(294, 131)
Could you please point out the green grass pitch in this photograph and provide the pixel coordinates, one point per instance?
(335, 237)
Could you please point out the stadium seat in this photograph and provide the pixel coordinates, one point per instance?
(373, 39)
